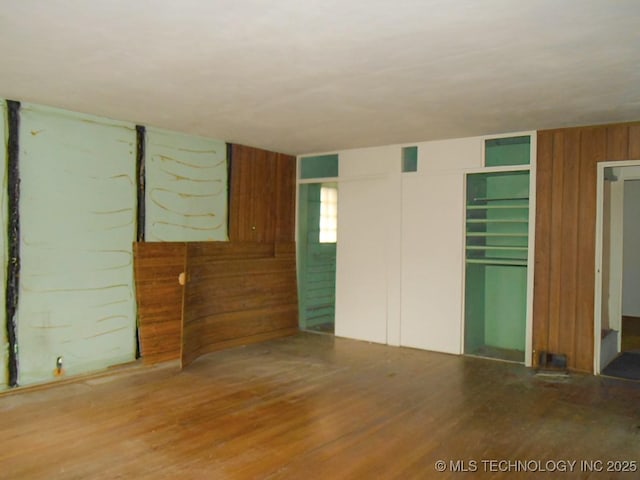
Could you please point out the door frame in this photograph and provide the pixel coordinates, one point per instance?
(599, 255)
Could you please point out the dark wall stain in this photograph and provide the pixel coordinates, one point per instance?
(13, 235)
(141, 139)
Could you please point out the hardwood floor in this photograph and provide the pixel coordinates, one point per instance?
(315, 407)
(630, 334)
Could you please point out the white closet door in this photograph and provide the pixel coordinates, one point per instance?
(361, 276)
(432, 236)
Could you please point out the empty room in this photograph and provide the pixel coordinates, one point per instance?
(323, 240)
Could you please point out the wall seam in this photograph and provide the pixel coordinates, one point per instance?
(13, 236)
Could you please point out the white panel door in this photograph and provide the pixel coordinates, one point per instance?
(432, 236)
(361, 270)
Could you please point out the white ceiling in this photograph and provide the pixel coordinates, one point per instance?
(302, 76)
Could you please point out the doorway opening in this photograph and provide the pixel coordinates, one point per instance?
(317, 245)
(618, 270)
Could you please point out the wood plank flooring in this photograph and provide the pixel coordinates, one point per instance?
(314, 407)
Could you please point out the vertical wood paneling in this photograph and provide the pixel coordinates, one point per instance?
(593, 150)
(569, 242)
(543, 245)
(555, 285)
(262, 203)
(565, 234)
(634, 142)
(285, 199)
(617, 142)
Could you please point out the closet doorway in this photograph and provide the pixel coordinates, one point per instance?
(617, 315)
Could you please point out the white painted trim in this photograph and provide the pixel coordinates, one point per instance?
(302, 181)
(531, 168)
(531, 260)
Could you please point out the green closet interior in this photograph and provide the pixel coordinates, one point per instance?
(317, 228)
(497, 242)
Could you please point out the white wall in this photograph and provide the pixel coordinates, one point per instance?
(367, 270)
(432, 244)
(399, 260)
(631, 255)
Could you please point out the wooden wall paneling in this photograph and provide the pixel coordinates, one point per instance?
(617, 142)
(569, 244)
(634, 142)
(593, 150)
(262, 196)
(285, 199)
(251, 215)
(238, 293)
(543, 245)
(565, 234)
(159, 295)
(555, 286)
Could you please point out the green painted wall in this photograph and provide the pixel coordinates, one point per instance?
(77, 215)
(317, 262)
(186, 194)
(508, 151)
(495, 295)
(506, 286)
(78, 222)
(3, 247)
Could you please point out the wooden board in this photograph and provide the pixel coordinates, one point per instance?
(237, 293)
(159, 295)
(262, 196)
(564, 283)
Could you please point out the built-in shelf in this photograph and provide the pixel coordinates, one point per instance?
(498, 247)
(522, 206)
(497, 220)
(497, 234)
(516, 262)
(498, 199)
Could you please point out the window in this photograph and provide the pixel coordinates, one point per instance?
(328, 214)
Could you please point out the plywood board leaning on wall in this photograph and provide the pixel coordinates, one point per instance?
(158, 266)
(237, 293)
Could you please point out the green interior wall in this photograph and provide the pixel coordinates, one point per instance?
(4, 344)
(508, 151)
(77, 216)
(78, 221)
(317, 262)
(186, 193)
(495, 294)
(319, 166)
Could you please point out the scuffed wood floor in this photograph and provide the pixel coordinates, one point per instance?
(315, 407)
